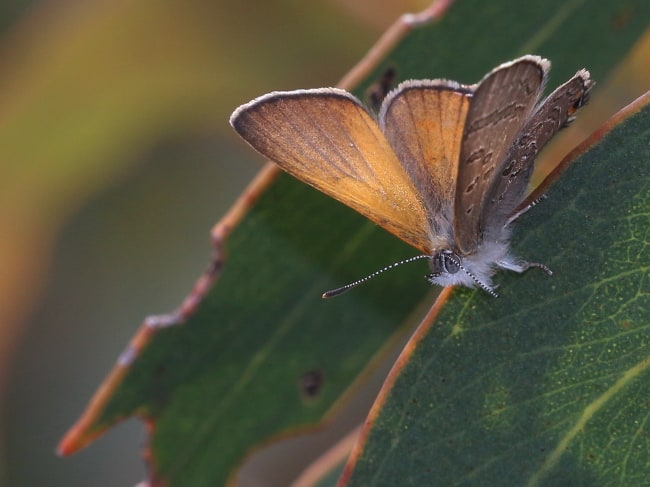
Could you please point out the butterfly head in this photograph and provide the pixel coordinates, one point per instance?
(449, 269)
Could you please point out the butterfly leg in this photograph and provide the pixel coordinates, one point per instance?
(522, 266)
(523, 210)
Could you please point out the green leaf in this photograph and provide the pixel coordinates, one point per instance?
(232, 377)
(547, 385)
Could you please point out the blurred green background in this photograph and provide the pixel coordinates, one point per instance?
(116, 158)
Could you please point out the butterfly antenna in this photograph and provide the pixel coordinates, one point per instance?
(478, 282)
(347, 287)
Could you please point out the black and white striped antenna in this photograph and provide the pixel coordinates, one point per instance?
(347, 287)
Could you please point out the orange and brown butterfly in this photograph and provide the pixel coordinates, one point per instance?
(444, 166)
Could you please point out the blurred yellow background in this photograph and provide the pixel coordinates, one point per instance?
(116, 158)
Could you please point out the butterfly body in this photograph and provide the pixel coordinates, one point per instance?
(445, 166)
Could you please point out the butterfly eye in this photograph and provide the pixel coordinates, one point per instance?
(451, 262)
(444, 262)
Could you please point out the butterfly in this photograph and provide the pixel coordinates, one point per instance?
(443, 166)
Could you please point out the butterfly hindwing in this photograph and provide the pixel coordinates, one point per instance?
(326, 138)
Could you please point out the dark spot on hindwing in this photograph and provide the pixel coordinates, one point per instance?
(480, 156)
(472, 185)
(488, 173)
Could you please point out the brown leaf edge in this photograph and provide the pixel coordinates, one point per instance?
(86, 429)
(429, 319)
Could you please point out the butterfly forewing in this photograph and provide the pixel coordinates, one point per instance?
(501, 105)
(511, 183)
(326, 138)
(423, 122)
